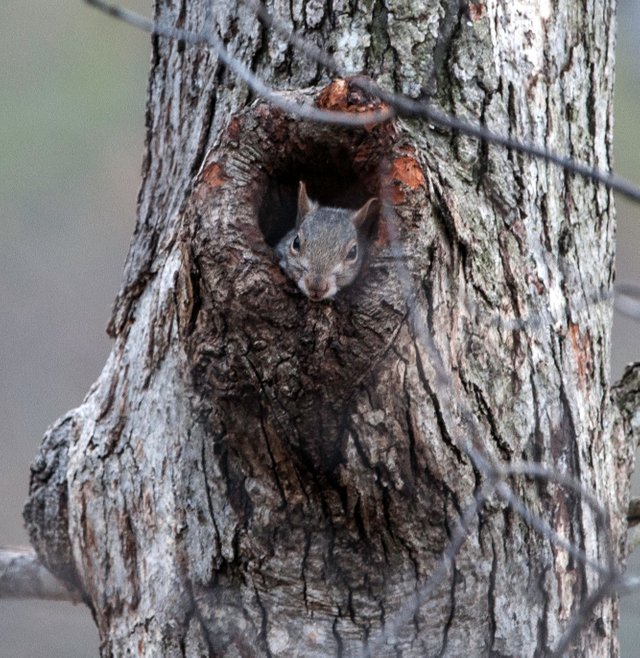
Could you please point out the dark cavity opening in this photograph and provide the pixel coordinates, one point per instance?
(331, 177)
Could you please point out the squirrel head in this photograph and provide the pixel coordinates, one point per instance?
(325, 251)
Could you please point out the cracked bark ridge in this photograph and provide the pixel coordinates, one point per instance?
(254, 474)
(626, 395)
(46, 510)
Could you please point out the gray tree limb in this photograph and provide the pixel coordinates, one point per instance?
(22, 576)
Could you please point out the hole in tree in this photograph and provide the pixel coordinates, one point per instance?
(331, 179)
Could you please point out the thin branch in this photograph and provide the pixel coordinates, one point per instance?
(412, 605)
(540, 472)
(482, 462)
(584, 615)
(407, 107)
(410, 108)
(307, 48)
(399, 104)
(628, 300)
(23, 576)
(357, 120)
(537, 319)
(539, 524)
(625, 296)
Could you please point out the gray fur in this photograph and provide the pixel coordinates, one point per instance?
(321, 266)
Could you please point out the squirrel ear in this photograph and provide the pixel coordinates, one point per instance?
(365, 214)
(305, 205)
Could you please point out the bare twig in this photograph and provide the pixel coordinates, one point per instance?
(628, 300)
(309, 49)
(607, 588)
(470, 444)
(361, 119)
(539, 524)
(398, 103)
(408, 107)
(412, 605)
(540, 472)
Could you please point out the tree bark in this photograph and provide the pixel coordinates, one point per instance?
(256, 474)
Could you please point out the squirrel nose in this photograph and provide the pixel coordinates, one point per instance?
(317, 289)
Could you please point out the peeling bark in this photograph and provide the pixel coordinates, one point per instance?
(255, 474)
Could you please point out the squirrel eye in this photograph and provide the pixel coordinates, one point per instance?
(295, 245)
(353, 252)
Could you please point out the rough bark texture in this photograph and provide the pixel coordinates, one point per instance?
(255, 474)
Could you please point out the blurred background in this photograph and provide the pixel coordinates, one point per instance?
(72, 95)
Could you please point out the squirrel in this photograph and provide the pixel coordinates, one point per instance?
(324, 252)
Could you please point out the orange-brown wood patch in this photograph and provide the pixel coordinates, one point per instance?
(213, 175)
(334, 96)
(342, 95)
(405, 171)
(581, 344)
(476, 10)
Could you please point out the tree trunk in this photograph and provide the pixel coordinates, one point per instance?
(257, 474)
